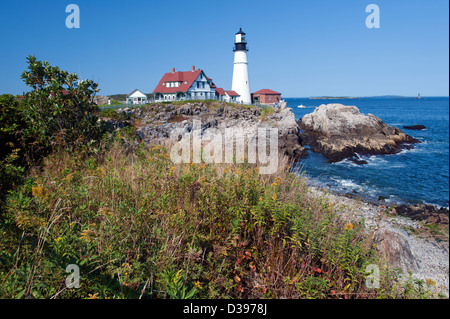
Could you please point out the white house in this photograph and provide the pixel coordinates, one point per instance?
(137, 97)
(231, 96)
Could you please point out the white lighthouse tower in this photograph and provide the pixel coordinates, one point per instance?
(240, 70)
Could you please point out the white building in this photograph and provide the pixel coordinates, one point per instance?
(231, 96)
(137, 97)
(240, 82)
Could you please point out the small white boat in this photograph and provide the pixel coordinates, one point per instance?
(301, 106)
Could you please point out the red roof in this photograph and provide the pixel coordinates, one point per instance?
(186, 78)
(220, 91)
(266, 91)
(232, 93)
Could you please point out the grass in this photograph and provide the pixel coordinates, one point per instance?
(266, 111)
(138, 226)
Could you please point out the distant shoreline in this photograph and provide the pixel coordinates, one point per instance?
(333, 98)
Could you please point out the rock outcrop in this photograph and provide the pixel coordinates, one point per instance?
(159, 123)
(417, 127)
(396, 250)
(424, 212)
(341, 131)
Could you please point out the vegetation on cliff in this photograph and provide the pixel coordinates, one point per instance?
(138, 225)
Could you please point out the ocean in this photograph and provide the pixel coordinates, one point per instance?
(419, 175)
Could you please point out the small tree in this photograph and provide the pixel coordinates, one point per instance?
(58, 110)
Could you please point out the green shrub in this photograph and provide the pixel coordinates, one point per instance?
(57, 111)
(12, 156)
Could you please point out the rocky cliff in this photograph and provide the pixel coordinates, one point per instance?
(341, 131)
(161, 123)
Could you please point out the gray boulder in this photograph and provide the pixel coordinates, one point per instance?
(341, 131)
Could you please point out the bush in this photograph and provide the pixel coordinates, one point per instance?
(12, 162)
(57, 111)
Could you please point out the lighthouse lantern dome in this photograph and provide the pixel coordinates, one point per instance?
(240, 44)
(240, 36)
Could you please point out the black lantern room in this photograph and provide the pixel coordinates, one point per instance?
(240, 43)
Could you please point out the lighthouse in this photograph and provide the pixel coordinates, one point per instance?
(240, 82)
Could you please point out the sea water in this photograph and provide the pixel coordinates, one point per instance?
(419, 175)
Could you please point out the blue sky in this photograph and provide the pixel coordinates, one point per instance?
(300, 48)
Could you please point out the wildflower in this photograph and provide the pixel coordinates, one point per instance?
(57, 240)
(197, 284)
(260, 199)
(171, 170)
(430, 282)
(69, 177)
(317, 270)
(349, 227)
(274, 197)
(39, 191)
(86, 234)
(93, 296)
(273, 184)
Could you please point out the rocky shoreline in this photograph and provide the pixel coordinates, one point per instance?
(413, 238)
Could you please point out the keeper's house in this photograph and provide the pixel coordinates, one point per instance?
(185, 85)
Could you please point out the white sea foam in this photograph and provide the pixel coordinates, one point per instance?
(346, 162)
